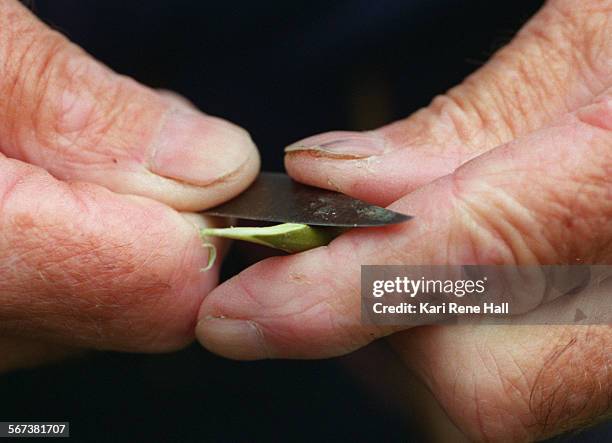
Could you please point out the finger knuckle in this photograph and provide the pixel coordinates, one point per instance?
(545, 211)
(579, 36)
(467, 117)
(74, 109)
(492, 225)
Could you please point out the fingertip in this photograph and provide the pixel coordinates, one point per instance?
(363, 165)
(329, 160)
(313, 169)
(289, 310)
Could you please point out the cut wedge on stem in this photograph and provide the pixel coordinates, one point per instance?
(288, 237)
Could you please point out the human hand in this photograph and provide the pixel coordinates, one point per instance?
(536, 123)
(94, 169)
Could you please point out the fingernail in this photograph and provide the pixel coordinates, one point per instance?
(239, 339)
(341, 144)
(198, 149)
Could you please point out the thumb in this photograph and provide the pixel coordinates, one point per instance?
(560, 61)
(82, 266)
(542, 199)
(66, 112)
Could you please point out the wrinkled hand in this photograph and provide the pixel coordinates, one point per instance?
(93, 171)
(514, 166)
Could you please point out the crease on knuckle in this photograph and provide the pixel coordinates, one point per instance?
(563, 218)
(550, 54)
(467, 119)
(524, 98)
(496, 104)
(497, 227)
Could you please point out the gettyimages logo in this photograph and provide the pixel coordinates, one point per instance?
(412, 288)
(417, 295)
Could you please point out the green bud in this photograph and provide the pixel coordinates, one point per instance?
(288, 237)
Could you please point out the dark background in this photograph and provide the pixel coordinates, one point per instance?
(283, 70)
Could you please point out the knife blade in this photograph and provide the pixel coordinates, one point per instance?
(275, 197)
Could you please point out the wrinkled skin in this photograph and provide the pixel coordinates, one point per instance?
(513, 166)
(94, 169)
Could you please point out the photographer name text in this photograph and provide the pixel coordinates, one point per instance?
(442, 308)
